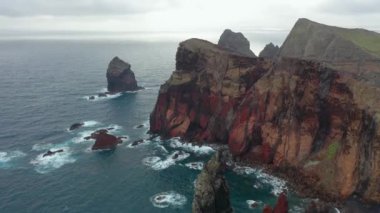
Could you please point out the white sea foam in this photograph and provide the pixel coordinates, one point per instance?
(48, 163)
(253, 202)
(107, 97)
(244, 170)
(168, 199)
(90, 123)
(150, 161)
(8, 156)
(163, 148)
(82, 135)
(42, 146)
(202, 150)
(278, 184)
(195, 165)
(157, 164)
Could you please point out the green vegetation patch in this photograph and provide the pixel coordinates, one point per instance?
(367, 40)
(332, 150)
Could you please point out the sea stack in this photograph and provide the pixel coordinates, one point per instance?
(211, 190)
(120, 77)
(270, 51)
(235, 43)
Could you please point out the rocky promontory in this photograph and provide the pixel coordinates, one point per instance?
(320, 121)
(120, 77)
(236, 43)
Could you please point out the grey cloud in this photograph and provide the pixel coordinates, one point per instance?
(15, 8)
(348, 7)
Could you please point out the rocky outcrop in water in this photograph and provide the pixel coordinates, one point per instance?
(51, 153)
(270, 51)
(120, 77)
(211, 190)
(235, 43)
(76, 126)
(103, 140)
(297, 115)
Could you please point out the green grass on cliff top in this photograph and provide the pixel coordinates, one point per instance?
(367, 40)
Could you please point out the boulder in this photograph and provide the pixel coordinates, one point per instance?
(120, 77)
(235, 43)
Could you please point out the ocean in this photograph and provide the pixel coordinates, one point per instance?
(44, 88)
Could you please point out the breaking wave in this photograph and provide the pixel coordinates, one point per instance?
(168, 199)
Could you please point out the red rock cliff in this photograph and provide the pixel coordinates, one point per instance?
(290, 113)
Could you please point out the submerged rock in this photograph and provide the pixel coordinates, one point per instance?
(120, 77)
(76, 126)
(50, 153)
(236, 43)
(211, 190)
(270, 51)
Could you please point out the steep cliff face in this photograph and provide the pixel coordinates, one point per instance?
(298, 114)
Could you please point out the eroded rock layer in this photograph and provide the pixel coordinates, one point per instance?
(298, 114)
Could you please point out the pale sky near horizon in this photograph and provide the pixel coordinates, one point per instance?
(177, 19)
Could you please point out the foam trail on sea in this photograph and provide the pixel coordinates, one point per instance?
(195, 165)
(168, 199)
(90, 123)
(201, 150)
(8, 157)
(253, 203)
(48, 163)
(157, 164)
(101, 98)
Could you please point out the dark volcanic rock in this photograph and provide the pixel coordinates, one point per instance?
(137, 142)
(269, 51)
(50, 153)
(103, 140)
(211, 190)
(236, 43)
(120, 77)
(76, 126)
(295, 114)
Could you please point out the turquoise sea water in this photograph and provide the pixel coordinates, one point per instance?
(44, 87)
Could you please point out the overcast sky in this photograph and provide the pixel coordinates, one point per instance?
(175, 19)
